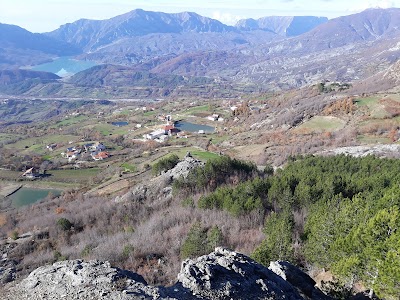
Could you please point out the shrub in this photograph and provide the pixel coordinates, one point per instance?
(200, 241)
(64, 224)
(165, 164)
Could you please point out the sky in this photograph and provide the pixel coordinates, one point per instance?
(48, 15)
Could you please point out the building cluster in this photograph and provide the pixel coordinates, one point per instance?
(96, 151)
(162, 134)
(215, 117)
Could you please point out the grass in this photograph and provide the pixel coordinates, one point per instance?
(370, 139)
(109, 129)
(197, 109)
(203, 155)
(370, 101)
(375, 109)
(195, 152)
(129, 167)
(149, 113)
(219, 139)
(38, 144)
(7, 136)
(57, 176)
(80, 174)
(322, 124)
(71, 121)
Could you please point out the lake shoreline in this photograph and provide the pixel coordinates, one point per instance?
(13, 190)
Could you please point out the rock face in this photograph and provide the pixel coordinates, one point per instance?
(297, 278)
(160, 185)
(183, 167)
(223, 274)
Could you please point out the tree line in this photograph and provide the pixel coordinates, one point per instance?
(340, 213)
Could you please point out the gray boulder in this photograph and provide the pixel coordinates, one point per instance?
(226, 274)
(223, 274)
(160, 186)
(298, 279)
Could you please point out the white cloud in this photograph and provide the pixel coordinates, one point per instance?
(383, 4)
(226, 18)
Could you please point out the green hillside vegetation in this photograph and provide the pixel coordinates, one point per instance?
(340, 213)
(216, 172)
(322, 124)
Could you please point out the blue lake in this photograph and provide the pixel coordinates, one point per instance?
(65, 66)
(27, 196)
(192, 127)
(120, 123)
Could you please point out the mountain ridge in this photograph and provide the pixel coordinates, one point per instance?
(287, 26)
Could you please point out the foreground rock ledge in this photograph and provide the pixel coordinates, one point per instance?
(223, 274)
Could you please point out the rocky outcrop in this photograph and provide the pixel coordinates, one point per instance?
(298, 279)
(183, 167)
(388, 150)
(226, 274)
(160, 185)
(223, 274)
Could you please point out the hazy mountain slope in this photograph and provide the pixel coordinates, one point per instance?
(110, 75)
(368, 25)
(142, 49)
(17, 82)
(140, 36)
(14, 76)
(93, 34)
(19, 46)
(284, 26)
(344, 49)
(17, 37)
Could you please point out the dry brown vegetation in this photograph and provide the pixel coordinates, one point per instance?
(140, 236)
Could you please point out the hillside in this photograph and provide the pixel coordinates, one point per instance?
(277, 53)
(91, 35)
(111, 81)
(233, 274)
(284, 26)
(21, 47)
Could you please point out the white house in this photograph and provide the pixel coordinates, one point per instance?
(155, 134)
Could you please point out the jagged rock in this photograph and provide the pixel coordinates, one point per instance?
(223, 274)
(160, 185)
(297, 278)
(183, 167)
(77, 279)
(226, 274)
(7, 274)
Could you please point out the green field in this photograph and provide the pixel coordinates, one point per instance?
(129, 167)
(78, 176)
(38, 144)
(7, 136)
(197, 109)
(322, 124)
(72, 120)
(149, 113)
(219, 139)
(370, 139)
(195, 152)
(109, 129)
(370, 101)
(375, 109)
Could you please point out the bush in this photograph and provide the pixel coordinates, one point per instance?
(200, 241)
(165, 164)
(14, 235)
(64, 224)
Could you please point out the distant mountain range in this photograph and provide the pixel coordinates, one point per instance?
(277, 52)
(284, 26)
(19, 46)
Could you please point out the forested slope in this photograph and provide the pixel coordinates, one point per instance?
(340, 213)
